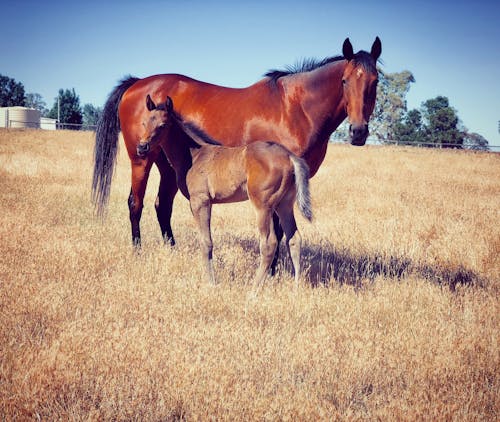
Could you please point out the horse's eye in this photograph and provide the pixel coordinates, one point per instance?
(343, 81)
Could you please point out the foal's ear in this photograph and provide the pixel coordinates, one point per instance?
(170, 104)
(347, 50)
(376, 49)
(150, 104)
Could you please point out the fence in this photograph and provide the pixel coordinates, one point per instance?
(17, 124)
(492, 148)
(74, 126)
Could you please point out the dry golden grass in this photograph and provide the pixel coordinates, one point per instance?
(397, 317)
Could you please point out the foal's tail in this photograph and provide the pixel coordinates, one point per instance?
(303, 199)
(106, 145)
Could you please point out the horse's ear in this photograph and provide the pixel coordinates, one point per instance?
(347, 50)
(150, 104)
(170, 104)
(376, 49)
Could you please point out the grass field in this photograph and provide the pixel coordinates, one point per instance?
(397, 316)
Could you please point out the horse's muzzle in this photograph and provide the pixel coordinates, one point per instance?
(143, 149)
(358, 134)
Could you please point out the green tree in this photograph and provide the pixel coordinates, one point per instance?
(69, 108)
(91, 115)
(410, 130)
(391, 103)
(11, 92)
(442, 123)
(475, 141)
(34, 100)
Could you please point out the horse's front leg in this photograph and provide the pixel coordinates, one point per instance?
(164, 200)
(278, 231)
(293, 238)
(201, 208)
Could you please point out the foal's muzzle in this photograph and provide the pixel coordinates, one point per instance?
(358, 134)
(143, 149)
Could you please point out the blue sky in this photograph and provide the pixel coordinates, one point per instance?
(451, 47)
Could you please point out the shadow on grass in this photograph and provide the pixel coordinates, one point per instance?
(342, 266)
(325, 264)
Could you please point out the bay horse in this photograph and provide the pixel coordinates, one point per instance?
(208, 173)
(299, 108)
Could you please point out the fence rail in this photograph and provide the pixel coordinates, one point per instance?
(486, 148)
(16, 124)
(439, 145)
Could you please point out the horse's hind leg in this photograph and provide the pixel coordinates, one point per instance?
(140, 174)
(165, 198)
(278, 230)
(267, 243)
(293, 238)
(202, 209)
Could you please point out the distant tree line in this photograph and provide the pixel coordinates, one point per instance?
(435, 124)
(66, 105)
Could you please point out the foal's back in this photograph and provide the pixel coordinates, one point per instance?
(229, 174)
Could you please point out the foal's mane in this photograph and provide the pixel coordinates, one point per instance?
(361, 58)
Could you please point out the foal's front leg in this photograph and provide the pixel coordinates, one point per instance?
(202, 209)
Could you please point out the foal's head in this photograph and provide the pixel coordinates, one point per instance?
(359, 83)
(156, 125)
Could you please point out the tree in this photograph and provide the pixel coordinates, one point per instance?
(410, 129)
(11, 92)
(34, 100)
(91, 115)
(69, 108)
(391, 103)
(442, 123)
(474, 141)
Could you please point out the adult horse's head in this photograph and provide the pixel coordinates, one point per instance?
(359, 83)
(157, 122)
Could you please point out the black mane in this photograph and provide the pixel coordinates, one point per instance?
(306, 65)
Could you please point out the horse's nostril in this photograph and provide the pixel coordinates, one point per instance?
(142, 149)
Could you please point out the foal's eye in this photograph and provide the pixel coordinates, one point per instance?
(344, 81)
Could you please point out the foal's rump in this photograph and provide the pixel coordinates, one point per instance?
(273, 170)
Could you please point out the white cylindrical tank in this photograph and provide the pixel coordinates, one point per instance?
(23, 117)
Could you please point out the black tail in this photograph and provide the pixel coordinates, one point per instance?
(106, 145)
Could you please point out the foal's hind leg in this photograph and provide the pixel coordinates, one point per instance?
(293, 238)
(201, 209)
(165, 198)
(268, 244)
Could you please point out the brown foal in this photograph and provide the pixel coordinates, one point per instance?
(208, 173)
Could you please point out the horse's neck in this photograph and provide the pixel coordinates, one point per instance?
(315, 98)
(321, 97)
(324, 88)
